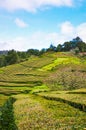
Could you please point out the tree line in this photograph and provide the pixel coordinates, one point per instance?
(12, 56)
(76, 45)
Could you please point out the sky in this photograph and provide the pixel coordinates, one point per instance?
(26, 24)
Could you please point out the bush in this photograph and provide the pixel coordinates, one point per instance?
(7, 118)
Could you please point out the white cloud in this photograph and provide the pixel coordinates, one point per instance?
(42, 40)
(67, 28)
(81, 31)
(3, 45)
(20, 23)
(32, 5)
(69, 31)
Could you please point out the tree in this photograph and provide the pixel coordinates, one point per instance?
(22, 55)
(51, 48)
(59, 48)
(33, 52)
(77, 39)
(2, 61)
(81, 46)
(12, 57)
(42, 51)
(67, 46)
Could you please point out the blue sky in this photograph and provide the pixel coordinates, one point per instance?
(28, 24)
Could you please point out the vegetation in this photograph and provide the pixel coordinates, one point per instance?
(12, 56)
(44, 92)
(7, 118)
(35, 112)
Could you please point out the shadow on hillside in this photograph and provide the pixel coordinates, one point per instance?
(10, 93)
(29, 75)
(76, 93)
(23, 82)
(81, 107)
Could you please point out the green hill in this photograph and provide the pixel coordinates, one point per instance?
(46, 92)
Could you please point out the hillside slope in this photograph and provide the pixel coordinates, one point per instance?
(57, 70)
(48, 92)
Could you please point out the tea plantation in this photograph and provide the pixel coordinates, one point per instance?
(45, 92)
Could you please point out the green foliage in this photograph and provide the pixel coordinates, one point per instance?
(70, 45)
(12, 57)
(2, 61)
(22, 55)
(67, 46)
(33, 52)
(62, 61)
(51, 48)
(7, 119)
(3, 99)
(37, 86)
(37, 112)
(59, 48)
(37, 89)
(66, 79)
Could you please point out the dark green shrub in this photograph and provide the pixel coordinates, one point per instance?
(7, 118)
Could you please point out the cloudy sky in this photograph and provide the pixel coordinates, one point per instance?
(28, 24)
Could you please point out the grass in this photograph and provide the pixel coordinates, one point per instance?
(3, 98)
(77, 97)
(37, 86)
(35, 112)
(1, 71)
(62, 61)
(37, 89)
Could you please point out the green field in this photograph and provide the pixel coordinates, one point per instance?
(44, 93)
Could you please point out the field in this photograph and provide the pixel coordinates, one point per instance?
(44, 93)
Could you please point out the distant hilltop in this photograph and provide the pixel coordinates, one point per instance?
(3, 52)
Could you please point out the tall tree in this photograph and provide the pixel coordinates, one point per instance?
(59, 48)
(12, 57)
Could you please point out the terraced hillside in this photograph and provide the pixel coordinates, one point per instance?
(44, 93)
